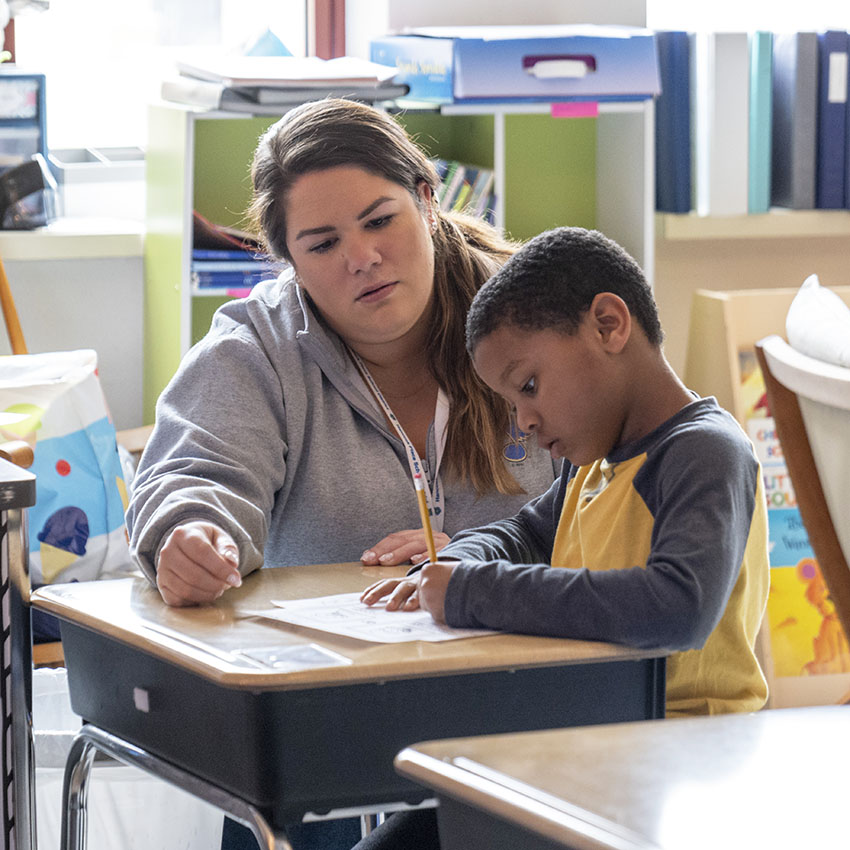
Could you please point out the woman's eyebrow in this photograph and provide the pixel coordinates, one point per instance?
(371, 208)
(313, 231)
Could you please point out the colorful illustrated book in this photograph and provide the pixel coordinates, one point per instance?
(806, 637)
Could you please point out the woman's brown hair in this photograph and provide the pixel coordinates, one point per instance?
(336, 132)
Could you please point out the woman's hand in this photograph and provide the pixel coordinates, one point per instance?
(402, 547)
(197, 563)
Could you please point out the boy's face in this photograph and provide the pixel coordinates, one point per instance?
(562, 386)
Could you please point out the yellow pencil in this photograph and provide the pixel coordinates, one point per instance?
(419, 484)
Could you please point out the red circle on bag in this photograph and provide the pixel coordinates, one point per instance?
(63, 467)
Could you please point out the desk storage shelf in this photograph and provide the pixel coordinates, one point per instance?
(549, 172)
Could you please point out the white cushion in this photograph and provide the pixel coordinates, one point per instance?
(818, 323)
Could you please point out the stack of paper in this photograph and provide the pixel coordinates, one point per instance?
(266, 84)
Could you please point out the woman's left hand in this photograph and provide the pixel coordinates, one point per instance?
(402, 547)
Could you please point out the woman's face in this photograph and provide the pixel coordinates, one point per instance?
(362, 248)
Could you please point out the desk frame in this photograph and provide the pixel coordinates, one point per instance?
(90, 740)
(273, 748)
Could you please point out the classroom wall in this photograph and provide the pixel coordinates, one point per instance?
(65, 304)
(368, 19)
(683, 266)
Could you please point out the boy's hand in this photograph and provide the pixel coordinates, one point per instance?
(432, 589)
(197, 564)
(401, 593)
(401, 547)
(425, 589)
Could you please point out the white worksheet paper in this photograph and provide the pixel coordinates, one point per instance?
(344, 614)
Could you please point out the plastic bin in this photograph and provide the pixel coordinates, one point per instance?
(100, 182)
(126, 807)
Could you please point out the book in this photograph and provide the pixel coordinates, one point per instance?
(673, 123)
(481, 201)
(230, 280)
(468, 188)
(761, 109)
(207, 235)
(368, 93)
(462, 195)
(832, 119)
(244, 265)
(226, 254)
(721, 122)
(206, 94)
(451, 184)
(283, 71)
(260, 100)
(794, 127)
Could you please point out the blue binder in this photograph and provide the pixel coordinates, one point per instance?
(832, 119)
(761, 112)
(794, 137)
(673, 124)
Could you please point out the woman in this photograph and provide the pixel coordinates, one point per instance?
(290, 432)
(276, 441)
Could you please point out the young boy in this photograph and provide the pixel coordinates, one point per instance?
(657, 527)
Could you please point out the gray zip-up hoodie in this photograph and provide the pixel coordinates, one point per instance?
(268, 431)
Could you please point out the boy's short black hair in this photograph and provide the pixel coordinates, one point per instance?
(552, 280)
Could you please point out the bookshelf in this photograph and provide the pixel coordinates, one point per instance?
(548, 172)
(724, 325)
(779, 223)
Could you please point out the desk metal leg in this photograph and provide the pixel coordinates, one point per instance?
(78, 769)
(75, 794)
(368, 822)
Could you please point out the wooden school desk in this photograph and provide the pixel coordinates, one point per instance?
(185, 686)
(774, 779)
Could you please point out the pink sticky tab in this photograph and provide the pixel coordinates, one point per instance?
(576, 109)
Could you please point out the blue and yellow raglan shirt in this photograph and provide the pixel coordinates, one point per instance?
(660, 545)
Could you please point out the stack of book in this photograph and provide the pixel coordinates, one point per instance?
(466, 188)
(225, 272)
(746, 122)
(227, 260)
(271, 84)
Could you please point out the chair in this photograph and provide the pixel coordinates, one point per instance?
(19, 452)
(17, 807)
(47, 654)
(810, 403)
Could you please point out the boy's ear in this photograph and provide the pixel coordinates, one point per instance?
(612, 321)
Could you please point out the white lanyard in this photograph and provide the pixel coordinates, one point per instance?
(434, 492)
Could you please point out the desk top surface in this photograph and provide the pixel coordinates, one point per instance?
(777, 778)
(212, 640)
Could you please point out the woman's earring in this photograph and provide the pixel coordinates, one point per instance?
(433, 224)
